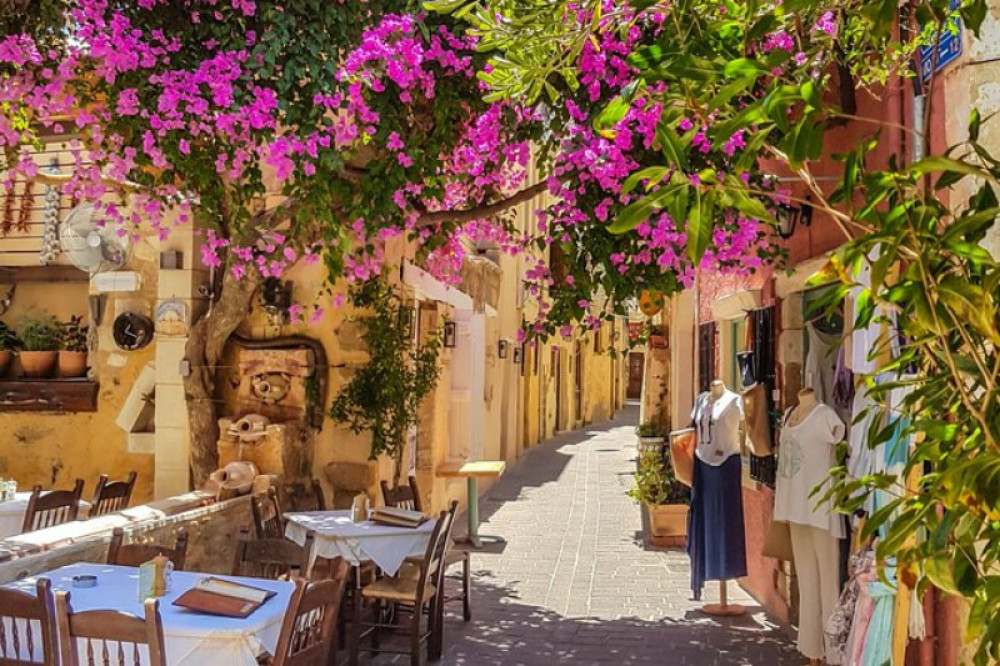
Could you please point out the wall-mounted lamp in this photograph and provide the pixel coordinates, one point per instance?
(502, 348)
(275, 295)
(789, 217)
(450, 334)
(519, 354)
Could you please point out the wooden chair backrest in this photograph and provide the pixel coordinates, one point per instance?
(111, 638)
(308, 633)
(134, 554)
(403, 496)
(272, 558)
(20, 642)
(111, 496)
(52, 508)
(267, 517)
(432, 566)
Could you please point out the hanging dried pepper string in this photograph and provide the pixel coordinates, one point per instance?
(7, 225)
(27, 203)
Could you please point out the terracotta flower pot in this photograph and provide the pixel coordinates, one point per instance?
(667, 525)
(658, 341)
(72, 363)
(5, 358)
(38, 364)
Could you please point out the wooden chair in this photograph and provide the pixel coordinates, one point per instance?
(417, 595)
(112, 638)
(272, 558)
(267, 517)
(311, 498)
(135, 554)
(111, 496)
(19, 643)
(47, 509)
(408, 497)
(308, 632)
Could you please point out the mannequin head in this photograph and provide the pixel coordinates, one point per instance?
(718, 388)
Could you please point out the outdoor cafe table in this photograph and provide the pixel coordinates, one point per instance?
(12, 514)
(336, 535)
(191, 638)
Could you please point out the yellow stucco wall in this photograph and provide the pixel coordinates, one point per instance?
(53, 449)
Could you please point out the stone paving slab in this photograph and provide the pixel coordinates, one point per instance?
(574, 583)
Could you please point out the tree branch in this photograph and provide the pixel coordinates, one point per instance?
(481, 212)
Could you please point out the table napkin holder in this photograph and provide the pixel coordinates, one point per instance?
(154, 577)
(359, 509)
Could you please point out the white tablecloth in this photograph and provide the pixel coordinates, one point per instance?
(338, 536)
(12, 514)
(192, 639)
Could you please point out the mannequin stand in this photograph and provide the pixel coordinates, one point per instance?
(723, 608)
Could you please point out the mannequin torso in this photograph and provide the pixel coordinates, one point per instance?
(717, 416)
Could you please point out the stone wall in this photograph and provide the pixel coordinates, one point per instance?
(211, 529)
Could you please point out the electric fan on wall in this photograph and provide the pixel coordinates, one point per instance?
(91, 242)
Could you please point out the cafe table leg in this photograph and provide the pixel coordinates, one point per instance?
(472, 489)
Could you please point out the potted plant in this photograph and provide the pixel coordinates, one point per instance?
(73, 355)
(665, 500)
(9, 343)
(651, 435)
(41, 338)
(657, 337)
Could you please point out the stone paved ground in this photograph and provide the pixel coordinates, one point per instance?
(574, 584)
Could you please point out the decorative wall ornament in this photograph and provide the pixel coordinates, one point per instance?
(50, 225)
(172, 317)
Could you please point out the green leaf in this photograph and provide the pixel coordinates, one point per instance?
(935, 163)
(654, 174)
(744, 67)
(611, 115)
(975, 122)
(632, 216)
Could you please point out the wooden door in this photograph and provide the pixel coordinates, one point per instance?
(556, 370)
(636, 367)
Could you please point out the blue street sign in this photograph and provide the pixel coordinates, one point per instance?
(949, 47)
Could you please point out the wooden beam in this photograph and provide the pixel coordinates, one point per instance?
(54, 273)
(48, 395)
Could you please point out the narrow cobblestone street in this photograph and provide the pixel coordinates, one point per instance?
(574, 584)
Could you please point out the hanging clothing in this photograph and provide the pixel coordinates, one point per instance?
(841, 622)
(717, 421)
(843, 385)
(716, 541)
(806, 455)
(817, 558)
(860, 458)
(878, 641)
(821, 364)
(864, 341)
(864, 608)
(758, 419)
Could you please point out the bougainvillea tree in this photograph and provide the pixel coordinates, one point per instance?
(352, 123)
(766, 82)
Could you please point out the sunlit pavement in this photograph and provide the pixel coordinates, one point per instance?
(574, 584)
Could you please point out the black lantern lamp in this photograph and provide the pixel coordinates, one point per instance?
(789, 217)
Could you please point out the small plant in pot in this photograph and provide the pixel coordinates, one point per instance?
(665, 500)
(41, 338)
(9, 343)
(73, 355)
(651, 435)
(657, 337)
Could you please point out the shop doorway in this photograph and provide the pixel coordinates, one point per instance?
(636, 368)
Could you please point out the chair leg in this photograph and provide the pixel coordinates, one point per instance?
(355, 641)
(467, 588)
(416, 653)
(435, 642)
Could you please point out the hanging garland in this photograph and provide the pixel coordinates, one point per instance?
(7, 225)
(27, 204)
(50, 225)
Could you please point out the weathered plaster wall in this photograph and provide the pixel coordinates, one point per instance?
(53, 449)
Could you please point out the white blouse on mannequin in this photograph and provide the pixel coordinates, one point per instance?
(717, 423)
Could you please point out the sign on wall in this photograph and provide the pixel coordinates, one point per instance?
(949, 48)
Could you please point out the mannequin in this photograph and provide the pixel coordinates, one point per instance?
(806, 454)
(716, 540)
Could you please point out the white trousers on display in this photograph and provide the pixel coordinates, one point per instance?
(817, 567)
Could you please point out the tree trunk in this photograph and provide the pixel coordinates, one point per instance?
(206, 343)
